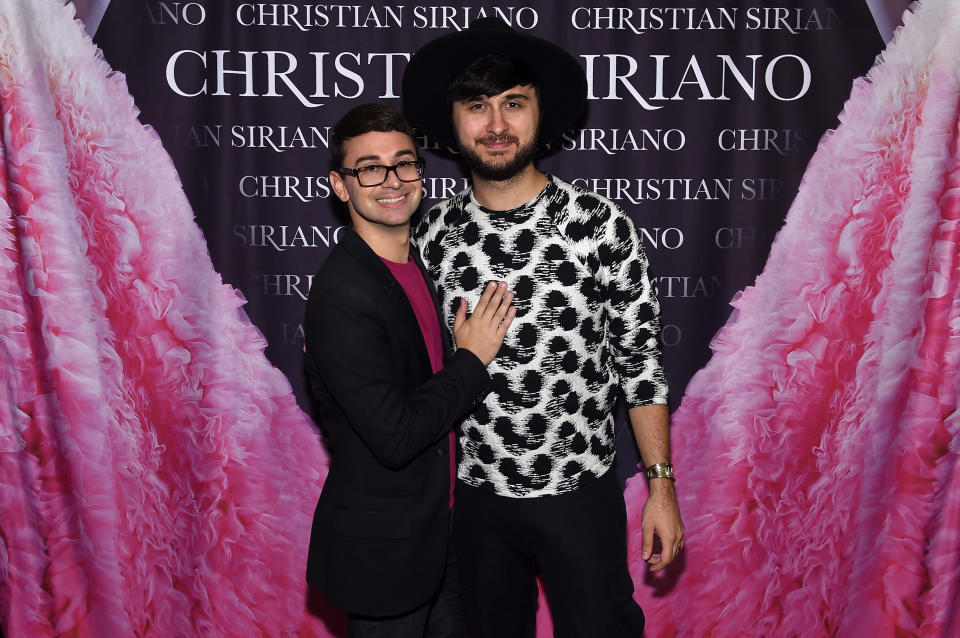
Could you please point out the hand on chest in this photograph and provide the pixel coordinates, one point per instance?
(553, 290)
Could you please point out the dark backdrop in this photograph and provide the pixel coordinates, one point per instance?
(701, 121)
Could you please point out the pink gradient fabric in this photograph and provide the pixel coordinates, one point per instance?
(817, 452)
(156, 475)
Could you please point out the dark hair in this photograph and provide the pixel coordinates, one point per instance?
(490, 74)
(365, 118)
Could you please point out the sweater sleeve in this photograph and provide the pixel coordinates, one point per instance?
(632, 310)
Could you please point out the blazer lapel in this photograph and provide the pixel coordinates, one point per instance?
(392, 290)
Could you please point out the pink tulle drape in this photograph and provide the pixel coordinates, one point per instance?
(818, 450)
(156, 475)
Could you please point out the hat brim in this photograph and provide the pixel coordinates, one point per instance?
(563, 84)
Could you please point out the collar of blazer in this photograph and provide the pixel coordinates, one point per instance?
(361, 251)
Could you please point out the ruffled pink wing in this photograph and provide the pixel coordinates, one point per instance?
(156, 474)
(818, 450)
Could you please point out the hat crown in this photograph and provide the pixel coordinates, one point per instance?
(491, 23)
(563, 83)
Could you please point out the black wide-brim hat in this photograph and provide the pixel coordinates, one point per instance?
(563, 84)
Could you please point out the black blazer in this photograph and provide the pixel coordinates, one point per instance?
(381, 525)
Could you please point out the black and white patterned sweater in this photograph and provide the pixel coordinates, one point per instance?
(586, 328)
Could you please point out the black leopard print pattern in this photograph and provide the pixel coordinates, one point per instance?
(586, 328)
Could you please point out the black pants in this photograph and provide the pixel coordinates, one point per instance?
(577, 541)
(441, 617)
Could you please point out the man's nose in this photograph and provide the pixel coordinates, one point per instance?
(392, 180)
(497, 123)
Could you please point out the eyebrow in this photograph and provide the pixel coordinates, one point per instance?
(508, 96)
(367, 158)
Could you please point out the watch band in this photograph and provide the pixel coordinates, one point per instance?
(660, 470)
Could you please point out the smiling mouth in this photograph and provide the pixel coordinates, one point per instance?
(498, 142)
(392, 200)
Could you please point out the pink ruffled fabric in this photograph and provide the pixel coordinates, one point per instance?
(818, 450)
(156, 475)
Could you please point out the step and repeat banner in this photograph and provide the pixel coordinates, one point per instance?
(701, 120)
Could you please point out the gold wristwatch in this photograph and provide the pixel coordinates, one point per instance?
(660, 470)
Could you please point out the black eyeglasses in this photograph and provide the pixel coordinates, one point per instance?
(376, 174)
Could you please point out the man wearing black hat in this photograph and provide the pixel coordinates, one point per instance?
(536, 488)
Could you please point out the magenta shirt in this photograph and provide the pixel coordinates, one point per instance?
(411, 280)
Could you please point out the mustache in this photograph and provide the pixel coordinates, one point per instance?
(497, 139)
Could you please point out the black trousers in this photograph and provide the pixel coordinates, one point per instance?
(577, 541)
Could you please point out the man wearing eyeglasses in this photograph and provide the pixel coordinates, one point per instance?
(388, 392)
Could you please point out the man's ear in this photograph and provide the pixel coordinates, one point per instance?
(339, 188)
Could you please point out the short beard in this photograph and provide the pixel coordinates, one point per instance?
(499, 172)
